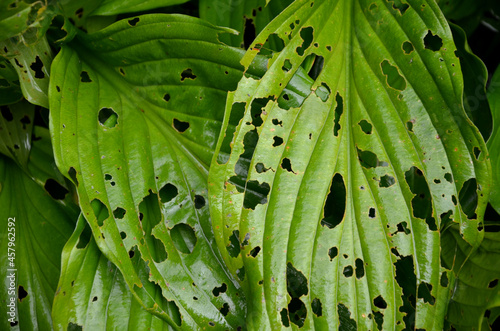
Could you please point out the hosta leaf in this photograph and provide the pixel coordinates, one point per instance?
(476, 288)
(44, 220)
(247, 17)
(16, 123)
(136, 131)
(330, 211)
(93, 294)
(14, 17)
(32, 63)
(10, 91)
(494, 141)
(475, 78)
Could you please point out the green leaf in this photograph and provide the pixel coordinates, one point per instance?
(14, 16)
(475, 79)
(16, 123)
(494, 141)
(43, 223)
(93, 294)
(476, 288)
(136, 131)
(344, 194)
(247, 17)
(10, 91)
(32, 63)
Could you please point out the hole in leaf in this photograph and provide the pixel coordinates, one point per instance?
(74, 327)
(108, 177)
(369, 160)
(233, 247)
(131, 254)
(371, 213)
(254, 252)
(84, 237)
(287, 65)
(166, 97)
(187, 74)
(277, 141)
(256, 108)
(56, 190)
(448, 177)
(433, 42)
(317, 308)
(379, 302)
(133, 22)
(444, 279)
(339, 109)
(348, 271)
(306, 34)
(240, 273)
(249, 33)
(183, 237)
(180, 126)
(298, 312)
(94, 299)
(21, 293)
(218, 290)
(345, 320)
(386, 181)
(157, 249)
(6, 113)
(287, 165)
(424, 292)
(277, 122)
(119, 213)
(493, 283)
(408, 47)
(407, 280)
(168, 192)
(284, 318)
(468, 198)
(84, 77)
(237, 112)
(379, 319)
(334, 209)
(37, 68)
(403, 228)
(360, 269)
(255, 194)
(296, 282)
(72, 175)
(260, 168)
(123, 235)
(224, 310)
(108, 117)
(409, 126)
(400, 5)
(100, 211)
(394, 78)
(199, 202)
(122, 72)
(477, 152)
(333, 252)
(422, 201)
(79, 12)
(366, 126)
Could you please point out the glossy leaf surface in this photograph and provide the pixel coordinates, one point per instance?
(93, 294)
(44, 220)
(136, 131)
(329, 211)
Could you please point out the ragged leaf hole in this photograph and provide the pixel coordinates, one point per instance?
(187, 74)
(56, 190)
(180, 126)
(134, 21)
(108, 117)
(432, 42)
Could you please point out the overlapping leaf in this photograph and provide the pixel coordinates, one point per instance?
(10, 91)
(247, 17)
(44, 217)
(136, 131)
(92, 292)
(476, 289)
(330, 211)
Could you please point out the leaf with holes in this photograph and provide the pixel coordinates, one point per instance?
(249, 18)
(16, 124)
(93, 294)
(10, 91)
(330, 211)
(476, 289)
(34, 207)
(135, 131)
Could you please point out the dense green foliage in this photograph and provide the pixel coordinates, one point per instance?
(259, 164)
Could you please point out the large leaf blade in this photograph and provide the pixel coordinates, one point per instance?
(137, 147)
(383, 130)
